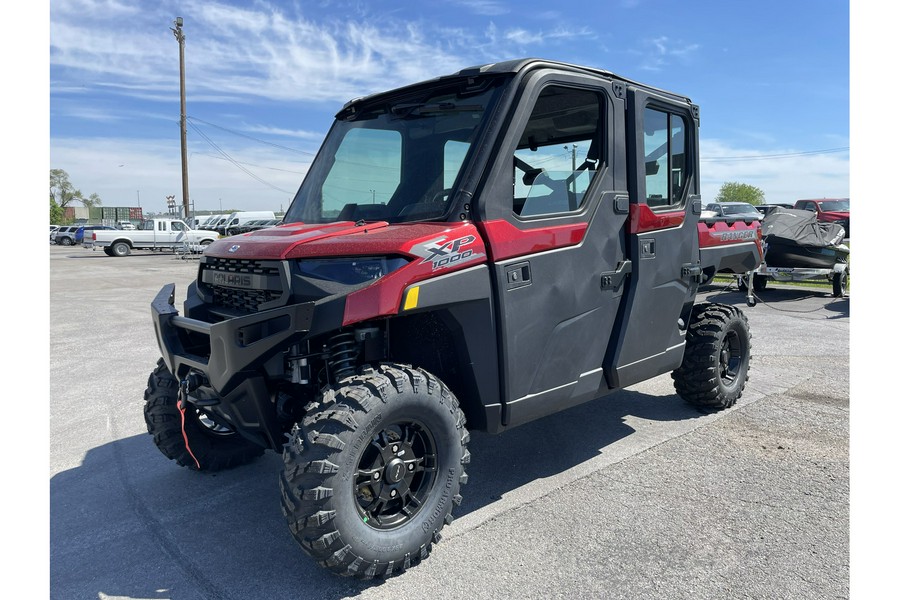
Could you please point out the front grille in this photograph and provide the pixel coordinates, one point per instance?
(240, 284)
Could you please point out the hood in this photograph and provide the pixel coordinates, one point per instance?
(342, 238)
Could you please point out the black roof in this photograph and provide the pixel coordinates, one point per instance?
(518, 66)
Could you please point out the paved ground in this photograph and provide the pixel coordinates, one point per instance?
(636, 495)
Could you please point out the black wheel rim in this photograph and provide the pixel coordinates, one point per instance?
(731, 358)
(395, 475)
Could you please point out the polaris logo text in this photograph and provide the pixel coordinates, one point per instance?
(448, 253)
(233, 280)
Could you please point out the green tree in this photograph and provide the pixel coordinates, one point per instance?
(56, 213)
(62, 192)
(731, 191)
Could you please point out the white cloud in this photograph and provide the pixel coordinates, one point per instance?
(661, 51)
(269, 51)
(485, 7)
(151, 169)
(782, 179)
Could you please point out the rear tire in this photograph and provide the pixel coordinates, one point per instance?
(215, 447)
(67, 241)
(121, 249)
(716, 360)
(373, 470)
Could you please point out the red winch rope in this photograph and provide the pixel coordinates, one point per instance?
(181, 408)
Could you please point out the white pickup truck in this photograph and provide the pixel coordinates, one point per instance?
(153, 234)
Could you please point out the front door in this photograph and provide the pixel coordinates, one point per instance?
(555, 213)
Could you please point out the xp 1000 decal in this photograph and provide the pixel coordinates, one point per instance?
(445, 252)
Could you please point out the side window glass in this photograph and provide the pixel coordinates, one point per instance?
(176, 226)
(454, 155)
(666, 165)
(161, 225)
(559, 152)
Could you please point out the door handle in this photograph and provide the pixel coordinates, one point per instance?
(518, 275)
(611, 280)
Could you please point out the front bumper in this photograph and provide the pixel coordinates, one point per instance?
(231, 355)
(235, 345)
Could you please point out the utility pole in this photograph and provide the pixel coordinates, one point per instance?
(574, 167)
(179, 35)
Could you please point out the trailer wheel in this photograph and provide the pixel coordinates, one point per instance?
(121, 249)
(839, 283)
(373, 470)
(215, 446)
(716, 360)
(759, 282)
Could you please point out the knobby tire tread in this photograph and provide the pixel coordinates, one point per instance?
(310, 458)
(697, 379)
(163, 421)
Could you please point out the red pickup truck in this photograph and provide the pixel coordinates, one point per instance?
(829, 210)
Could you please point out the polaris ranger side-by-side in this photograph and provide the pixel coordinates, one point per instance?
(472, 252)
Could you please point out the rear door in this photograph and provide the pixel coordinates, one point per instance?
(555, 210)
(663, 241)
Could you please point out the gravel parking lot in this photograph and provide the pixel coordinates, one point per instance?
(636, 495)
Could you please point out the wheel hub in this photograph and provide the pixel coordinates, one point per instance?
(394, 471)
(395, 475)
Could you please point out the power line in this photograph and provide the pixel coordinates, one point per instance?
(249, 137)
(254, 165)
(774, 156)
(236, 163)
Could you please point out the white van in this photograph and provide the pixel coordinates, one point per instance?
(210, 222)
(237, 218)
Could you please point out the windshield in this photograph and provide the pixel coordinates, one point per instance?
(395, 158)
(739, 209)
(835, 205)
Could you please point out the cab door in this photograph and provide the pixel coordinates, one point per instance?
(166, 233)
(663, 241)
(555, 210)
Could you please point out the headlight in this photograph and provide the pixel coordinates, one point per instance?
(350, 271)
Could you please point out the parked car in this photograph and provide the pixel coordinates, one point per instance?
(254, 225)
(65, 235)
(829, 210)
(734, 209)
(85, 232)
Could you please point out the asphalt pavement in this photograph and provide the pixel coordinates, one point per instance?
(635, 495)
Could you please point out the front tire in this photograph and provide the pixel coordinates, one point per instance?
(716, 360)
(213, 445)
(373, 471)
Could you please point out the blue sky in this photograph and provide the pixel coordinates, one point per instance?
(264, 80)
